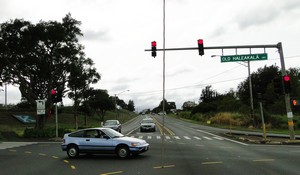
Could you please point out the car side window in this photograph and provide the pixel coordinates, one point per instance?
(77, 134)
(92, 133)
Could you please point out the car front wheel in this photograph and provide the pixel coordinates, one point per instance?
(72, 151)
(123, 151)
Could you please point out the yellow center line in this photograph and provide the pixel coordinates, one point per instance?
(263, 160)
(66, 161)
(159, 125)
(210, 163)
(42, 154)
(164, 166)
(73, 167)
(116, 172)
(54, 157)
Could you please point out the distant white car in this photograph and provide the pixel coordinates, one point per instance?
(102, 140)
(147, 124)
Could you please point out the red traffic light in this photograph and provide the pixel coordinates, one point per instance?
(200, 47)
(153, 48)
(286, 78)
(53, 91)
(200, 41)
(295, 103)
(153, 43)
(287, 84)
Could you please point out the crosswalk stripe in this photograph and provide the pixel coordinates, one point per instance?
(218, 138)
(207, 138)
(198, 138)
(149, 137)
(176, 137)
(186, 137)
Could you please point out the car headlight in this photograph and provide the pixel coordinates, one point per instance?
(135, 144)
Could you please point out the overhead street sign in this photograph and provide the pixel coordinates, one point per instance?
(248, 57)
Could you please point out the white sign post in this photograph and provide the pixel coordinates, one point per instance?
(40, 107)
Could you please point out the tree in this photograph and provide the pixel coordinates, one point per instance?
(131, 106)
(208, 94)
(38, 57)
(101, 102)
(168, 107)
(82, 74)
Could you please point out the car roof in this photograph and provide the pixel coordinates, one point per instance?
(98, 128)
(147, 119)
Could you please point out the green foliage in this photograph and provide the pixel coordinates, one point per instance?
(44, 133)
(44, 56)
(168, 107)
(131, 106)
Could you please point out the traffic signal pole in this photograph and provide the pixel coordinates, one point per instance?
(283, 71)
(286, 95)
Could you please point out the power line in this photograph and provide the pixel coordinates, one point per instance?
(199, 84)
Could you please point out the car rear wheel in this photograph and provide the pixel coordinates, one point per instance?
(73, 151)
(123, 151)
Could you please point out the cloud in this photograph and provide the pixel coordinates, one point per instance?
(264, 13)
(90, 35)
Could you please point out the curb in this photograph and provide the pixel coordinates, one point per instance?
(259, 140)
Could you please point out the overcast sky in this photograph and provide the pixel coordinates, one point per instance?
(116, 33)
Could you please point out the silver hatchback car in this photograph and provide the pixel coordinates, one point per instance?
(102, 141)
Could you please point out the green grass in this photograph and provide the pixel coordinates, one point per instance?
(11, 127)
(240, 128)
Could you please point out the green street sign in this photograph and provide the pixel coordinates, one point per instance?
(248, 57)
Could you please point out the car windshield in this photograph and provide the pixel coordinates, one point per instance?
(111, 122)
(147, 121)
(112, 133)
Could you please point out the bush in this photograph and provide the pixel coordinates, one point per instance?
(44, 133)
(228, 118)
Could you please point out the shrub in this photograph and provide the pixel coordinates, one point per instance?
(228, 119)
(44, 133)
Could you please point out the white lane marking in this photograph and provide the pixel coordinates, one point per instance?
(218, 138)
(207, 138)
(176, 137)
(186, 137)
(234, 141)
(198, 138)
(5, 145)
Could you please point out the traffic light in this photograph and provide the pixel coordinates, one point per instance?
(153, 48)
(200, 47)
(56, 96)
(287, 84)
(53, 94)
(295, 102)
(277, 82)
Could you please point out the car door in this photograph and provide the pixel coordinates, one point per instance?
(97, 141)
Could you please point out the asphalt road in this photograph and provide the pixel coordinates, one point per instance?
(185, 149)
